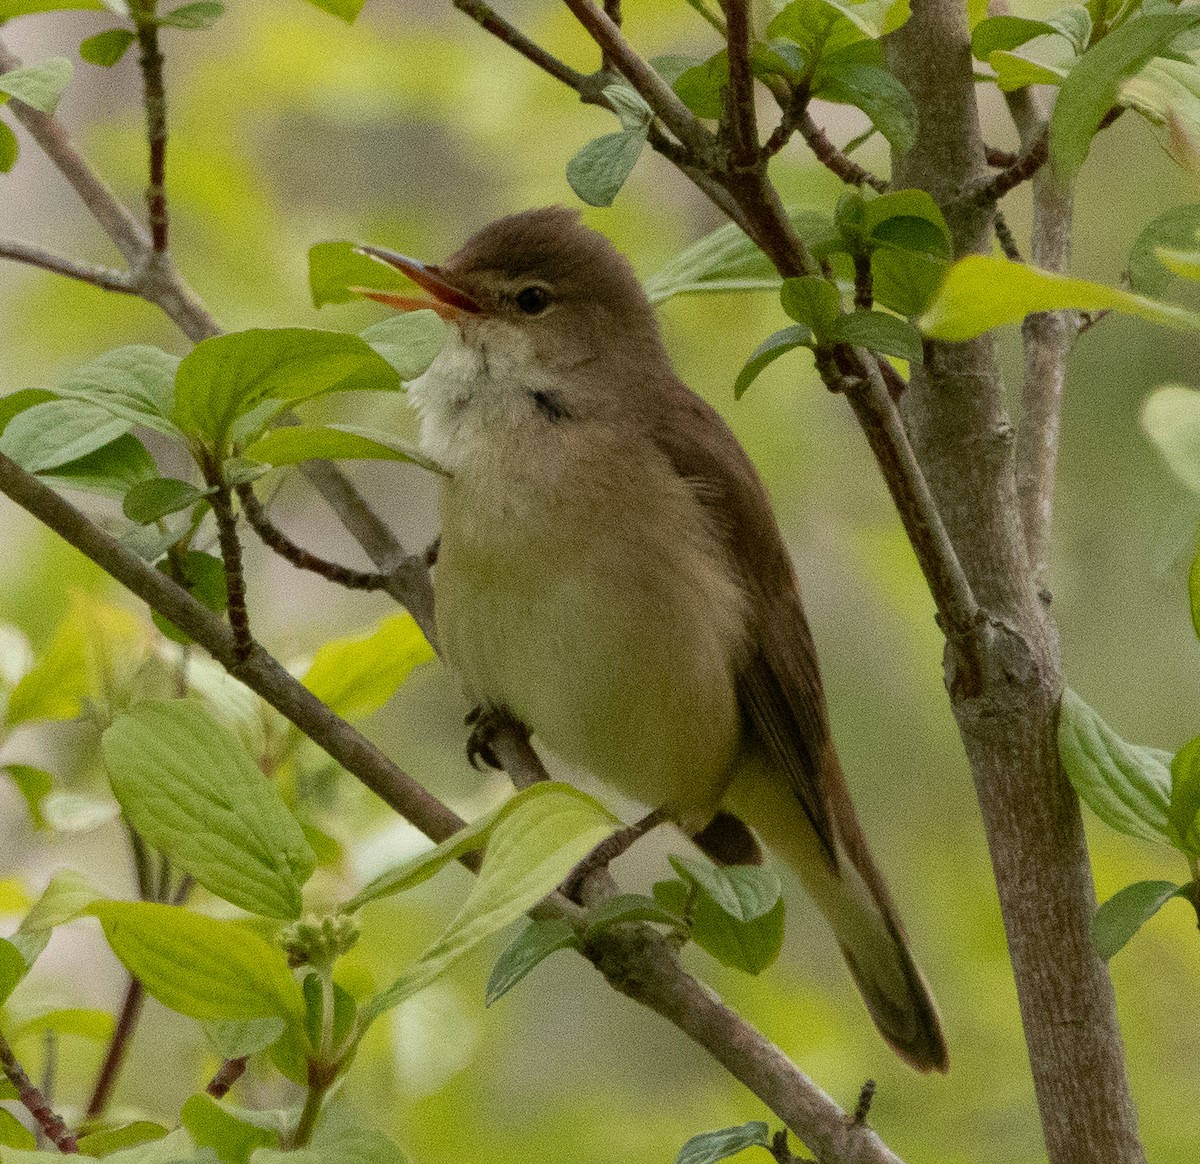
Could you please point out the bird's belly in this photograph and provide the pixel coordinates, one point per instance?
(623, 666)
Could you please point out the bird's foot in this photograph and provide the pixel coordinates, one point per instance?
(610, 849)
(486, 721)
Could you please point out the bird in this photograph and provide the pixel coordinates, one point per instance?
(611, 576)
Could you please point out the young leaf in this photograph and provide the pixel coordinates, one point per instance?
(630, 907)
(148, 501)
(34, 784)
(296, 443)
(212, 1125)
(629, 106)
(200, 966)
(879, 95)
(774, 346)
(750, 946)
(905, 280)
(529, 852)
(1127, 786)
(193, 17)
(981, 292)
(356, 676)
(345, 10)
(1183, 811)
(1091, 88)
(112, 470)
(896, 217)
(1171, 419)
(336, 267)
(204, 578)
(532, 946)
(240, 1039)
(135, 383)
(186, 784)
(67, 896)
(880, 333)
(109, 1141)
(10, 149)
(83, 1022)
(600, 169)
(410, 341)
(57, 432)
(1007, 33)
(348, 1145)
(813, 302)
(224, 377)
(38, 86)
(1185, 263)
(12, 969)
(107, 48)
(709, 1147)
(17, 402)
(13, 1133)
(699, 88)
(1014, 72)
(744, 892)
(1123, 914)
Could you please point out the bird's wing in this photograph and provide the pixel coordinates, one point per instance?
(779, 684)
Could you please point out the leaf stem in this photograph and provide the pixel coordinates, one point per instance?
(227, 1075)
(118, 1048)
(35, 1102)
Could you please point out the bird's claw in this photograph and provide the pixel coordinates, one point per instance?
(486, 722)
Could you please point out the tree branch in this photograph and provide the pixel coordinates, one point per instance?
(35, 256)
(486, 18)
(154, 98)
(35, 1102)
(635, 959)
(738, 104)
(832, 158)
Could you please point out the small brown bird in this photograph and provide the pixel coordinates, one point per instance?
(611, 575)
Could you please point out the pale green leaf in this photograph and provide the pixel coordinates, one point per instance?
(1014, 71)
(107, 48)
(1183, 810)
(203, 967)
(981, 292)
(1177, 227)
(110, 1141)
(600, 169)
(239, 1039)
(410, 341)
(150, 500)
(529, 852)
(78, 812)
(95, 1025)
(38, 86)
(13, 1133)
(1091, 89)
(356, 676)
(813, 302)
(135, 383)
(112, 470)
(173, 1148)
(769, 351)
(750, 946)
(1123, 914)
(11, 8)
(1171, 419)
(336, 267)
(193, 17)
(294, 444)
(709, 1147)
(1179, 262)
(700, 87)
(629, 106)
(35, 785)
(13, 967)
(67, 896)
(532, 946)
(1126, 785)
(348, 1145)
(57, 432)
(745, 892)
(187, 785)
(212, 1125)
(879, 95)
(1006, 33)
(625, 908)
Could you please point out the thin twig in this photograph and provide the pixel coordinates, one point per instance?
(865, 1098)
(1000, 159)
(1024, 168)
(231, 555)
(227, 1075)
(154, 98)
(104, 277)
(302, 559)
(118, 1048)
(864, 290)
(487, 18)
(833, 159)
(1005, 237)
(35, 1102)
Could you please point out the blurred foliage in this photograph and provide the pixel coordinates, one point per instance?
(411, 128)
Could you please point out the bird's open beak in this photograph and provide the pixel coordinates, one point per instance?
(448, 301)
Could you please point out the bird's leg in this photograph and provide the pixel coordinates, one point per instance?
(611, 848)
(486, 721)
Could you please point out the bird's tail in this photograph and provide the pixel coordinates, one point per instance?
(855, 901)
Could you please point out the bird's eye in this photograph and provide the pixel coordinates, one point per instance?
(533, 300)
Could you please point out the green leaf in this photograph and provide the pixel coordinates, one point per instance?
(1014, 71)
(224, 377)
(13, 1133)
(12, 969)
(750, 946)
(57, 432)
(1185, 263)
(529, 852)
(699, 88)
(10, 148)
(345, 10)
(111, 470)
(356, 676)
(630, 907)
(67, 896)
(17, 402)
(83, 1022)
(34, 784)
(1075, 24)
(1091, 89)
(1123, 914)
(202, 967)
(1006, 33)
(112, 1140)
(813, 302)
(11, 8)
(148, 501)
(204, 578)
(879, 95)
(629, 106)
(744, 892)
(879, 333)
(532, 946)
(294, 444)
(410, 341)
(173, 1148)
(241, 1039)
(470, 838)
(769, 351)
(600, 169)
(187, 785)
(905, 281)
(213, 1126)
(902, 217)
(349, 1145)
(1127, 786)
(1183, 810)
(193, 17)
(135, 383)
(981, 292)
(336, 267)
(709, 1147)
(875, 18)
(107, 48)
(38, 86)
(1171, 419)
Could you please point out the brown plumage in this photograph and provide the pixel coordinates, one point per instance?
(611, 573)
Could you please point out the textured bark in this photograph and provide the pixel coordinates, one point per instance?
(964, 443)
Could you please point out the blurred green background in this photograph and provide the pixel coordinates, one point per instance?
(410, 129)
